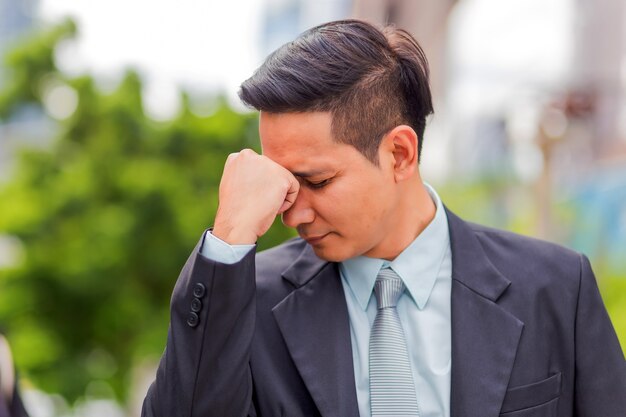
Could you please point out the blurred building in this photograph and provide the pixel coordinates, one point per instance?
(572, 150)
(585, 164)
(599, 75)
(600, 70)
(284, 20)
(14, 20)
(427, 20)
(27, 126)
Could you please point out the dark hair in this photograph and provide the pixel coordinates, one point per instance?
(370, 80)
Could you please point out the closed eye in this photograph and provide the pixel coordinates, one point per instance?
(317, 185)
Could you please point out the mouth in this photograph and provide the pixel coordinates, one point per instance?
(314, 240)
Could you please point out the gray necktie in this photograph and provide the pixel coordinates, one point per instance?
(392, 392)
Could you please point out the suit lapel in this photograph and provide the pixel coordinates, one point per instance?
(314, 322)
(484, 335)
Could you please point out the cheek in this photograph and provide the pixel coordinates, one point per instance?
(355, 210)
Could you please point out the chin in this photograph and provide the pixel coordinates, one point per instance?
(332, 254)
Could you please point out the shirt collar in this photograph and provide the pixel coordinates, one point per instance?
(418, 264)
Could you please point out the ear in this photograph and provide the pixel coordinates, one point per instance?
(401, 143)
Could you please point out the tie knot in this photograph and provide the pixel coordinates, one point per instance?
(388, 288)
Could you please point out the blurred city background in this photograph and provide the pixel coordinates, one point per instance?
(116, 118)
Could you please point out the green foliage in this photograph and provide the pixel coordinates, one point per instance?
(107, 216)
(27, 64)
(613, 289)
(496, 202)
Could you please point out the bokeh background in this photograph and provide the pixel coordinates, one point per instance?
(116, 118)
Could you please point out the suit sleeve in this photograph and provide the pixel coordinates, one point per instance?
(600, 386)
(17, 406)
(204, 370)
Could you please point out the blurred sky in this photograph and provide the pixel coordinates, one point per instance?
(208, 45)
(196, 44)
(498, 46)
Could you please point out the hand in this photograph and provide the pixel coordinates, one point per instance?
(253, 191)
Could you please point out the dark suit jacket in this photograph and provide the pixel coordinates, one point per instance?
(12, 407)
(270, 337)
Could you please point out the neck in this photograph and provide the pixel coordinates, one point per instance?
(413, 213)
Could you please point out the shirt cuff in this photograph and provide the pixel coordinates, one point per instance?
(217, 250)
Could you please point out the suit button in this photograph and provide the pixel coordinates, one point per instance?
(199, 290)
(193, 320)
(196, 305)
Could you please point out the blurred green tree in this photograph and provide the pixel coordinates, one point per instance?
(107, 215)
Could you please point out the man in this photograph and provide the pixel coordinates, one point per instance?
(388, 303)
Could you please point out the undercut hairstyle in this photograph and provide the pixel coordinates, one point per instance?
(369, 79)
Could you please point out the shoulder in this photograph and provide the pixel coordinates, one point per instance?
(534, 262)
(509, 244)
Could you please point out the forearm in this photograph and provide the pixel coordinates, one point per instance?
(204, 370)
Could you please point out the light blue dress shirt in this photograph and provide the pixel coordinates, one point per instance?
(425, 267)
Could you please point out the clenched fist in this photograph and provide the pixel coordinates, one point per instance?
(253, 191)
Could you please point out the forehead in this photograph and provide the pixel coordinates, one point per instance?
(300, 140)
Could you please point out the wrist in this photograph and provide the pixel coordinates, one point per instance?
(234, 236)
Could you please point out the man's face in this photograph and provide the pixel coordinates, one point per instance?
(345, 203)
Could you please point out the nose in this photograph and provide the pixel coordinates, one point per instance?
(300, 212)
